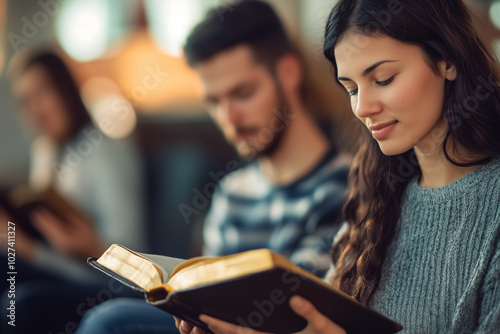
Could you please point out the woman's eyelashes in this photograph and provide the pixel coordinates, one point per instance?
(379, 83)
(386, 82)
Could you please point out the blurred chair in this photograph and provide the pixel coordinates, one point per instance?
(179, 156)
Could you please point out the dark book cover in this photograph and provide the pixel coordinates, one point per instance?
(20, 202)
(260, 301)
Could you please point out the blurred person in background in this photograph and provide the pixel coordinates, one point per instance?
(289, 196)
(100, 176)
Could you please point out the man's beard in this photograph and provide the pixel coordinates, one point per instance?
(270, 146)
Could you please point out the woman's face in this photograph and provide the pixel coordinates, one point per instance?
(41, 104)
(392, 89)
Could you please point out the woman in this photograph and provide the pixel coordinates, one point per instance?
(422, 239)
(98, 175)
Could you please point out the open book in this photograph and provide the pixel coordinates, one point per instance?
(20, 202)
(249, 289)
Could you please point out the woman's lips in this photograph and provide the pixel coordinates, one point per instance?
(382, 130)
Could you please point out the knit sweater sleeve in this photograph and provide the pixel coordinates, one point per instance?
(489, 313)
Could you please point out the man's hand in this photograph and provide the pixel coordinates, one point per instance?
(317, 322)
(75, 236)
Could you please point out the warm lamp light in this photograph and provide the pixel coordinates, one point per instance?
(150, 79)
(495, 14)
(171, 20)
(156, 78)
(111, 112)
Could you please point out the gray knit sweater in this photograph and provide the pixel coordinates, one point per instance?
(442, 271)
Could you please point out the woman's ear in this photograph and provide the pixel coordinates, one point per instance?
(289, 73)
(448, 70)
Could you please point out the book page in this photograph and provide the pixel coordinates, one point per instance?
(132, 266)
(166, 264)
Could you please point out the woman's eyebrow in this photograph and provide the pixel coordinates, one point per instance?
(368, 70)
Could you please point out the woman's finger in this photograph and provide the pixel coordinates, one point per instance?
(78, 221)
(177, 321)
(316, 320)
(198, 330)
(222, 327)
(46, 223)
(185, 327)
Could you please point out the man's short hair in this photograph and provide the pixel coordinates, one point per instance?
(250, 22)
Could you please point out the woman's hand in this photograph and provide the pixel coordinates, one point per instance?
(75, 236)
(185, 327)
(317, 322)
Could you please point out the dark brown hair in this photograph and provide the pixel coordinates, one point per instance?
(63, 82)
(443, 30)
(250, 22)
